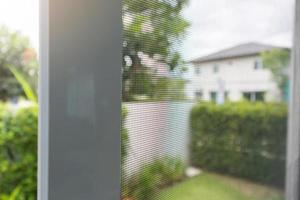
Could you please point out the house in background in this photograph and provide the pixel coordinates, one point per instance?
(234, 74)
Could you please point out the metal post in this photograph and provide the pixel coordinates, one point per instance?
(80, 99)
(292, 175)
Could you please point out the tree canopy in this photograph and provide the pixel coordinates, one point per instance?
(153, 28)
(16, 52)
(278, 61)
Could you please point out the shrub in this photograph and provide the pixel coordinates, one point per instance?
(146, 182)
(124, 145)
(141, 185)
(124, 136)
(18, 153)
(241, 139)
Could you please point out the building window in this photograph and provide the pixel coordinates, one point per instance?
(197, 71)
(213, 96)
(254, 96)
(199, 95)
(226, 96)
(216, 69)
(258, 65)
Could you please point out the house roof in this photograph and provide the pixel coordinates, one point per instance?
(243, 50)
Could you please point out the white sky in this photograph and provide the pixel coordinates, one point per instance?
(23, 16)
(215, 24)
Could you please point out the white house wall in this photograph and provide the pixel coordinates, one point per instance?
(238, 75)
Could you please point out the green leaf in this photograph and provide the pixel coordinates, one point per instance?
(14, 195)
(30, 94)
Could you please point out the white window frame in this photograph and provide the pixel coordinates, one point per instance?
(43, 140)
(258, 64)
(199, 94)
(216, 68)
(254, 94)
(71, 12)
(197, 70)
(293, 140)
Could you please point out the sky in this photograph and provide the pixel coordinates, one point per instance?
(215, 24)
(218, 24)
(22, 16)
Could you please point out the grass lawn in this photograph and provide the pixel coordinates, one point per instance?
(217, 187)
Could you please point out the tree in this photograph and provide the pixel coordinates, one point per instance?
(278, 61)
(169, 89)
(141, 84)
(153, 28)
(16, 52)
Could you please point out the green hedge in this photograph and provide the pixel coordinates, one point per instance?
(18, 153)
(124, 135)
(241, 139)
(147, 181)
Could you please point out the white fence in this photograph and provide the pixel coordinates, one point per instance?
(156, 130)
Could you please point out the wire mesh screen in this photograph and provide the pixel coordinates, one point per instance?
(155, 109)
(212, 127)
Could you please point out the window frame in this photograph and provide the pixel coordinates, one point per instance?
(60, 135)
(252, 96)
(199, 95)
(216, 69)
(197, 70)
(293, 139)
(43, 79)
(213, 96)
(293, 151)
(258, 64)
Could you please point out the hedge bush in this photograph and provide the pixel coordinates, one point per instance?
(241, 139)
(124, 135)
(18, 152)
(145, 184)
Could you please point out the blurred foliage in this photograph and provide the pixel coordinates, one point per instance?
(124, 144)
(278, 61)
(28, 90)
(18, 128)
(15, 51)
(148, 88)
(241, 139)
(15, 195)
(124, 136)
(151, 177)
(153, 28)
(169, 89)
(18, 153)
(141, 84)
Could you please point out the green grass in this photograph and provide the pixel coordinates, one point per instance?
(216, 187)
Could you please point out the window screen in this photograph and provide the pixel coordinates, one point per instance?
(189, 137)
(155, 108)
